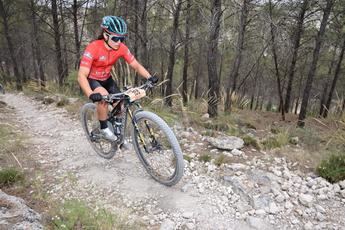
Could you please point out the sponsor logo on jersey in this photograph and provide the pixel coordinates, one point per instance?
(102, 58)
(87, 54)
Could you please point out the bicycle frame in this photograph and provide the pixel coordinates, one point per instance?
(124, 113)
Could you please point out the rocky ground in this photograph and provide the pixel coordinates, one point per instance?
(257, 192)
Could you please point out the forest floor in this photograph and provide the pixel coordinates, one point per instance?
(271, 189)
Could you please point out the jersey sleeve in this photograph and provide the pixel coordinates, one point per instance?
(128, 56)
(88, 56)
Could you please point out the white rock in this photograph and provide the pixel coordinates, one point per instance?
(306, 199)
(342, 193)
(322, 197)
(211, 168)
(319, 208)
(320, 216)
(294, 220)
(187, 215)
(277, 173)
(336, 188)
(273, 208)
(280, 198)
(260, 212)
(308, 226)
(190, 226)
(342, 184)
(167, 225)
(236, 152)
(205, 116)
(288, 205)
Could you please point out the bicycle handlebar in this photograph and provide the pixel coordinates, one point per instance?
(120, 96)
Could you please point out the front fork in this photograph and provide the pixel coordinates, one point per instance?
(141, 138)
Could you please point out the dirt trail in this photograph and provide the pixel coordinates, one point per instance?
(202, 199)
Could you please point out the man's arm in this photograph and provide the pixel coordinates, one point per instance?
(82, 80)
(140, 69)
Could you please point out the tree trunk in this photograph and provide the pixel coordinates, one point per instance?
(212, 54)
(275, 58)
(5, 17)
(328, 78)
(197, 69)
(335, 79)
(316, 54)
(64, 40)
(186, 56)
(323, 98)
(143, 31)
(238, 57)
(296, 45)
(76, 33)
(136, 37)
(57, 35)
(172, 52)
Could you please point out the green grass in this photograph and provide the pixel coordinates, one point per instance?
(74, 214)
(276, 141)
(187, 158)
(222, 159)
(9, 176)
(333, 168)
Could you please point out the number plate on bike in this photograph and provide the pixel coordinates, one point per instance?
(135, 94)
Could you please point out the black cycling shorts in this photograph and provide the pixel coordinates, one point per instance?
(108, 84)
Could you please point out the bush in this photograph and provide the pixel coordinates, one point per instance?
(333, 169)
(10, 176)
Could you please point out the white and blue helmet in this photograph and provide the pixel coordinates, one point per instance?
(114, 25)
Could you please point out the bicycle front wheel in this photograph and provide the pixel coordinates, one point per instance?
(157, 148)
(91, 127)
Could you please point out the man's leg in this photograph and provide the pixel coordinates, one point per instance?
(102, 114)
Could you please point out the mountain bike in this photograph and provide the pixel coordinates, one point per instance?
(154, 142)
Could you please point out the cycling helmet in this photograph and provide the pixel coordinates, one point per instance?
(114, 25)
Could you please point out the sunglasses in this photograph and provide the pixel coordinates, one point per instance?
(115, 38)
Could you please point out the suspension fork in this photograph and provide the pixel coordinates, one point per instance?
(141, 138)
(135, 124)
(152, 136)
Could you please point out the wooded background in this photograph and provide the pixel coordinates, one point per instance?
(284, 56)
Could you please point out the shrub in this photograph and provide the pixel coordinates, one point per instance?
(250, 141)
(333, 168)
(205, 158)
(62, 102)
(10, 176)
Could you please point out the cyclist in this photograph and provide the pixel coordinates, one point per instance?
(94, 71)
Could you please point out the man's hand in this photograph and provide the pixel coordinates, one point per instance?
(153, 79)
(94, 97)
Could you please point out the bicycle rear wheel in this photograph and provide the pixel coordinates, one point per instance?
(90, 123)
(157, 148)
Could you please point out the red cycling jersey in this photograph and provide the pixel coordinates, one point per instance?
(100, 60)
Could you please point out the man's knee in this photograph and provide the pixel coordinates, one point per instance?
(101, 90)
